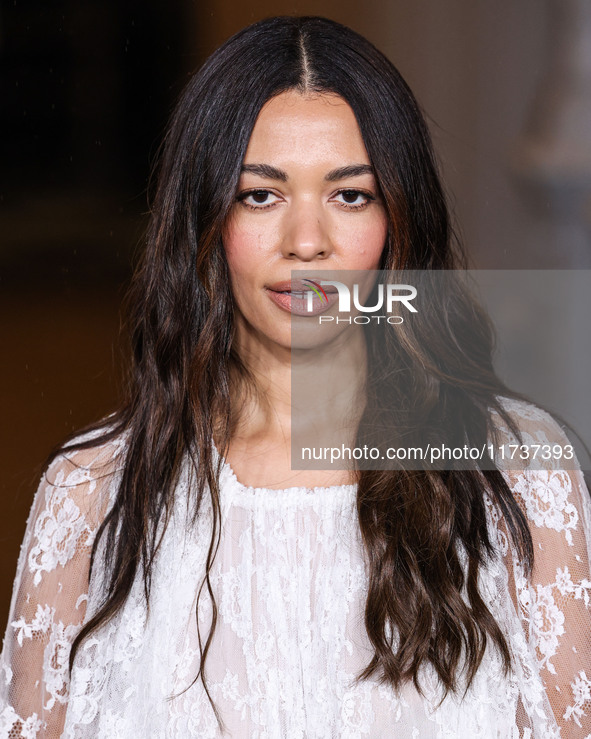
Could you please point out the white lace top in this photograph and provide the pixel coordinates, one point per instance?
(289, 580)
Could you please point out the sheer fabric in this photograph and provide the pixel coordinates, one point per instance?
(289, 581)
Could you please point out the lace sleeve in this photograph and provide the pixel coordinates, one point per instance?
(50, 591)
(555, 603)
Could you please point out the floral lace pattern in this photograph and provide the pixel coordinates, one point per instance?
(547, 501)
(289, 581)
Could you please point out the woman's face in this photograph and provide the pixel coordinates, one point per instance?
(307, 199)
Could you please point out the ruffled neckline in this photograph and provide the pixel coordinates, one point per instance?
(229, 477)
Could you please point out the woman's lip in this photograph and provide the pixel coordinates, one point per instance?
(291, 302)
(299, 286)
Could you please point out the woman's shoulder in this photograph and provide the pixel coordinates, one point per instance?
(524, 423)
(85, 472)
(93, 449)
(543, 471)
(524, 412)
(75, 493)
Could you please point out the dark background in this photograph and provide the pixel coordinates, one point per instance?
(86, 88)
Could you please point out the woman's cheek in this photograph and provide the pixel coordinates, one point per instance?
(364, 243)
(248, 242)
(240, 249)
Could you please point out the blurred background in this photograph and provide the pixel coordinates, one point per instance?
(86, 88)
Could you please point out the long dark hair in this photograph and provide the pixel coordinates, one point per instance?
(181, 329)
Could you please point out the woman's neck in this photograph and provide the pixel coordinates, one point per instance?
(311, 397)
(287, 389)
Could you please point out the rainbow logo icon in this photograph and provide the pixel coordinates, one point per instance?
(316, 288)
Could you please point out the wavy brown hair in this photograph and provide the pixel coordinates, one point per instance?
(422, 605)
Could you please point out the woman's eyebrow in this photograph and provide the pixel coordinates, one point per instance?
(351, 170)
(265, 170)
(341, 173)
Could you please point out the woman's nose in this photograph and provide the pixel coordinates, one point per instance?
(306, 234)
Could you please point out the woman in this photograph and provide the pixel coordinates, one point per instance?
(229, 594)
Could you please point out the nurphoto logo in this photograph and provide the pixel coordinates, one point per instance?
(388, 296)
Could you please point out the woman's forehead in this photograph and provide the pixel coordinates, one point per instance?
(301, 127)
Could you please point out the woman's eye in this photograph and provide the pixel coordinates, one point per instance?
(353, 198)
(258, 199)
